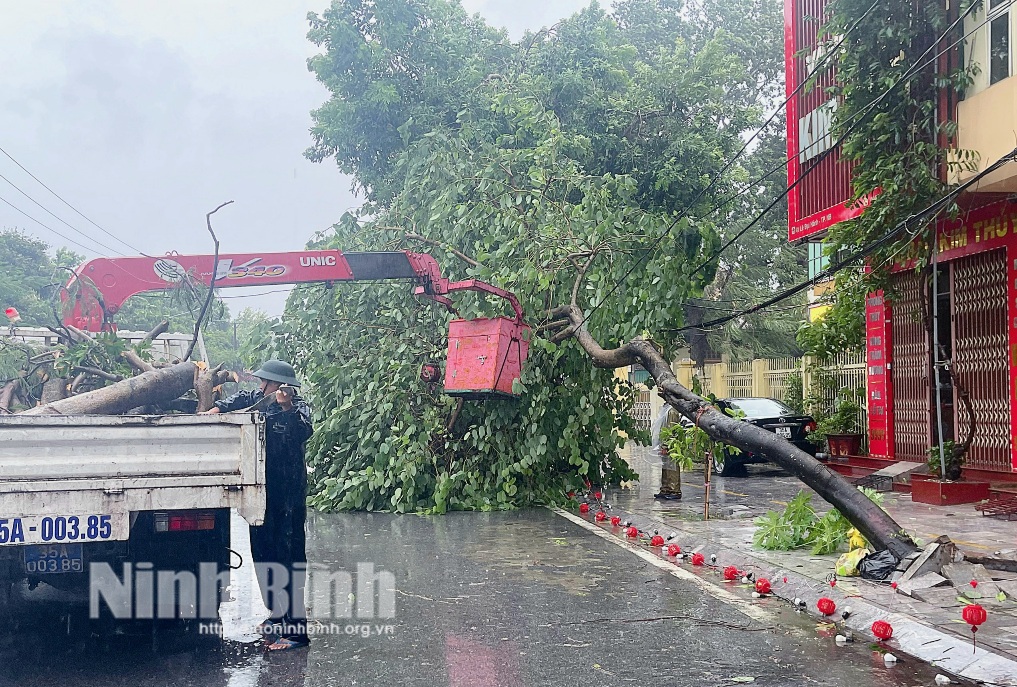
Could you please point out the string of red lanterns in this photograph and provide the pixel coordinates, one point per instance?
(973, 614)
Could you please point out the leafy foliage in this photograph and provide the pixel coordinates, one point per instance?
(546, 167)
(798, 526)
(29, 275)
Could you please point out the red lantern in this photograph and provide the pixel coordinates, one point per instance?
(826, 606)
(673, 549)
(731, 573)
(882, 630)
(974, 615)
(762, 586)
(615, 520)
(601, 516)
(632, 532)
(597, 495)
(584, 508)
(698, 559)
(657, 540)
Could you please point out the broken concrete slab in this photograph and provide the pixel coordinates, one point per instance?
(926, 581)
(931, 560)
(943, 597)
(961, 576)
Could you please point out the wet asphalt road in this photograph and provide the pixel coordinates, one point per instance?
(522, 598)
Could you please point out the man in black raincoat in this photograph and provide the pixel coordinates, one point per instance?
(280, 540)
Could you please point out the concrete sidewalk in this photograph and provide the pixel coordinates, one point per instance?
(931, 630)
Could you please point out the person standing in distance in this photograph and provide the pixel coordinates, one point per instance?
(280, 540)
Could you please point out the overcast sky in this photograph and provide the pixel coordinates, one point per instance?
(145, 115)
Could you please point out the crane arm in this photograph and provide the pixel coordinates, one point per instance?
(117, 279)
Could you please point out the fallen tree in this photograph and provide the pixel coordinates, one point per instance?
(873, 522)
(153, 388)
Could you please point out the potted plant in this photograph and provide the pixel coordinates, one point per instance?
(952, 491)
(840, 428)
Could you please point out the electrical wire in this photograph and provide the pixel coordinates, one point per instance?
(819, 68)
(45, 226)
(65, 202)
(857, 117)
(936, 208)
(59, 219)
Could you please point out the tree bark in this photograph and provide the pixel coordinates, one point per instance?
(149, 388)
(205, 383)
(872, 521)
(7, 396)
(53, 389)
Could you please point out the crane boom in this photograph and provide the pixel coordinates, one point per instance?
(117, 279)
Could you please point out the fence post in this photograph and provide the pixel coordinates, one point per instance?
(718, 381)
(685, 372)
(808, 362)
(760, 381)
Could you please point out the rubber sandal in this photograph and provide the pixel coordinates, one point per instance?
(288, 644)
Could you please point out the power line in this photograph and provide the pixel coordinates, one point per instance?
(730, 163)
(47, 210)
(857, 117)
(61, 199)
(935, 208)
(45, 226)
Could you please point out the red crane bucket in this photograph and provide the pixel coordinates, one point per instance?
(485, 356)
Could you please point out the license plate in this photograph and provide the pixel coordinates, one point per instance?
(62, 529)
(784, 432)
(49, 559)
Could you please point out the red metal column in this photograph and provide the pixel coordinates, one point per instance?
(878, 350)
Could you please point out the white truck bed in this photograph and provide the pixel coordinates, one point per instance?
(84, 466)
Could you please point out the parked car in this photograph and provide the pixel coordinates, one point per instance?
(767, 413)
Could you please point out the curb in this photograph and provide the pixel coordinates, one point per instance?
(921, 641)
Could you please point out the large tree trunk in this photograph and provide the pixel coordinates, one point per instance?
(149, 388)
(872, 521)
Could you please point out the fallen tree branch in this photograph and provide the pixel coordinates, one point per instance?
(149, 388)
(156, 332)
(7, 396)
(211, 283)
(102, 374)
(137, 362)
(872, 521)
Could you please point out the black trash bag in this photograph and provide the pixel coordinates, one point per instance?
(878, 566)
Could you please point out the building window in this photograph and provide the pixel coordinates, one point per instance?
(638, 374)
(818, 259)
(999, 41)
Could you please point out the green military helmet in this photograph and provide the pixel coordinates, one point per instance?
(278, 371)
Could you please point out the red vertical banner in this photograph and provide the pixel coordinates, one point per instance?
(879, 389)
(1011, 311)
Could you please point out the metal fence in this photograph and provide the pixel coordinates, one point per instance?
(771, 378)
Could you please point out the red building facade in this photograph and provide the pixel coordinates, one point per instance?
(977, 289)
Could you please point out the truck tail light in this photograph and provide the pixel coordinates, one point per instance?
(184, 521)
(810, 426)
